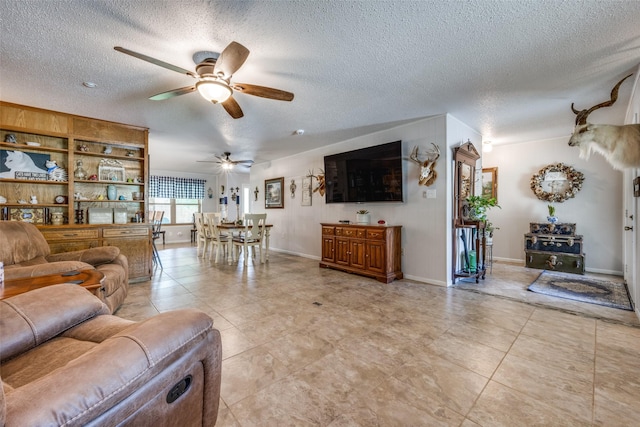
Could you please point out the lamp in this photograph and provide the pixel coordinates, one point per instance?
(487, 147)
(213, 90)
(227, 165)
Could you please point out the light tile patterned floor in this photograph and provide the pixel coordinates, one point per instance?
(403, 354)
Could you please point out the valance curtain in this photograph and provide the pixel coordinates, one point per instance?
(170, 187)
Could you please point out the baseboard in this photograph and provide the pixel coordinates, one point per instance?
(425, 280)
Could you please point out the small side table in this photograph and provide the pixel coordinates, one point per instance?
(89, 279)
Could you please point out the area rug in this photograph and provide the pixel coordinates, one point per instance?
(581, 288)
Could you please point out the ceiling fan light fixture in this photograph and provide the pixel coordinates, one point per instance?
(214, 90)
(227, 165)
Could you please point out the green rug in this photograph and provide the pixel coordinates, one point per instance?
(581, 288)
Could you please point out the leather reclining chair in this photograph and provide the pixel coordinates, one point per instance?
(26, 253)
(65, 360)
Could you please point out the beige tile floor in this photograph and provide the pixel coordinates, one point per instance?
(403, 354)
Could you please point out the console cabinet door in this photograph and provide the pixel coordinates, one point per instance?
(137, 251)
(357, 251)
(328, 248)
(375, 256)
(342, 251)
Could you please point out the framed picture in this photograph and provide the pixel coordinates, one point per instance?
(273, 193)
(636, 186)
(306, 190)
(23, 165)
(32, 215)
(490, 182)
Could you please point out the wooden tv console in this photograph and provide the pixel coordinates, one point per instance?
(368, 250)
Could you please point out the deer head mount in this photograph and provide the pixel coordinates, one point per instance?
(428, 172)
(620, 145)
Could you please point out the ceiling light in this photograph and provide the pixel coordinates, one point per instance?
(213, 90)
(487, 147)
(299, 132)
(227, 165)
(90, 85)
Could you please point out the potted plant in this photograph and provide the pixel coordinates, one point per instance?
(552, 218)
(489, 228)
(478, 206)
(363, 217)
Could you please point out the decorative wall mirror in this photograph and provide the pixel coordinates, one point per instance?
(465, 157)
(490, 182)
(556, 183)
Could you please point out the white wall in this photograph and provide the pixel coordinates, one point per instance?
(596, 209)
(425, 224)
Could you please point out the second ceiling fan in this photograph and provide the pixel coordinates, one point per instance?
(227, 163)
(214, 78)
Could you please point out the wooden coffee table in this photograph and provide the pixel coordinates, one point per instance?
(89, 279)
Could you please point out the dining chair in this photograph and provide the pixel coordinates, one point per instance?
(252, 236)
(217, 240)
(202, 238)
(156, 224)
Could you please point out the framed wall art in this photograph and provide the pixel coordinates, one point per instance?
(306, 190)
(490, 182)
(23, 165)
(273, 193)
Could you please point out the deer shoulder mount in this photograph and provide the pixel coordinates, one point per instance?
(620, 145)
(428, 172)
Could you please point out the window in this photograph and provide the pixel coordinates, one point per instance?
(176, 211)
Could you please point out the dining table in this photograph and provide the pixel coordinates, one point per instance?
(232, 227)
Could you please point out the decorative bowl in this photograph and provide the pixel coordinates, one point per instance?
(33, 144)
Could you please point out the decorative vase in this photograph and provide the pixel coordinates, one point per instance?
(80, 173)
(363, 219)
(552, 219)
(57, 218)
(112, 192)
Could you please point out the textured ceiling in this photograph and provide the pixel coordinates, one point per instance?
(509, 69)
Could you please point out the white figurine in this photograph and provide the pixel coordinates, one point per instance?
(34, 200)
(107, 149)
(3, 200)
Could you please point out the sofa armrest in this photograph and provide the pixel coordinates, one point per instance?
(37, 270)
(27, 320)
(94, 383)
(93, 256)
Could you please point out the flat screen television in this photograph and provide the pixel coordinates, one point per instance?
(372, 174)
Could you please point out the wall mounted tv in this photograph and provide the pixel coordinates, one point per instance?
(372, 174)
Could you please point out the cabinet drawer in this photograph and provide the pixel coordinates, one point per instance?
(339, 231)
(328, 231)
(69, 234)
(124, 232)
(375, 234)
(354, 232)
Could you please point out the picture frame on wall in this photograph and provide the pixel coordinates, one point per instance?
(273, 196)
(490, 182)
(16, 164)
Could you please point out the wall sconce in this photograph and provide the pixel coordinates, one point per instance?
(210, 193)
(255, 193)
(234, 193)
(222, 189)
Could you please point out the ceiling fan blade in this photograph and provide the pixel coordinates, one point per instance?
(233, 108)
(262, 91)
(231, 59)
(240, 162)
(172, 93)
(156, 62)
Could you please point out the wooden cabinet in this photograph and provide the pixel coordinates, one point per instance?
(110, 154)
(368, 250)
(133, 240)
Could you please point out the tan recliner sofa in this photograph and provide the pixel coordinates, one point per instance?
(65, 361)
(26, 253)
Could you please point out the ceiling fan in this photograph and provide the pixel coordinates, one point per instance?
(214, 73)
(226, 162)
